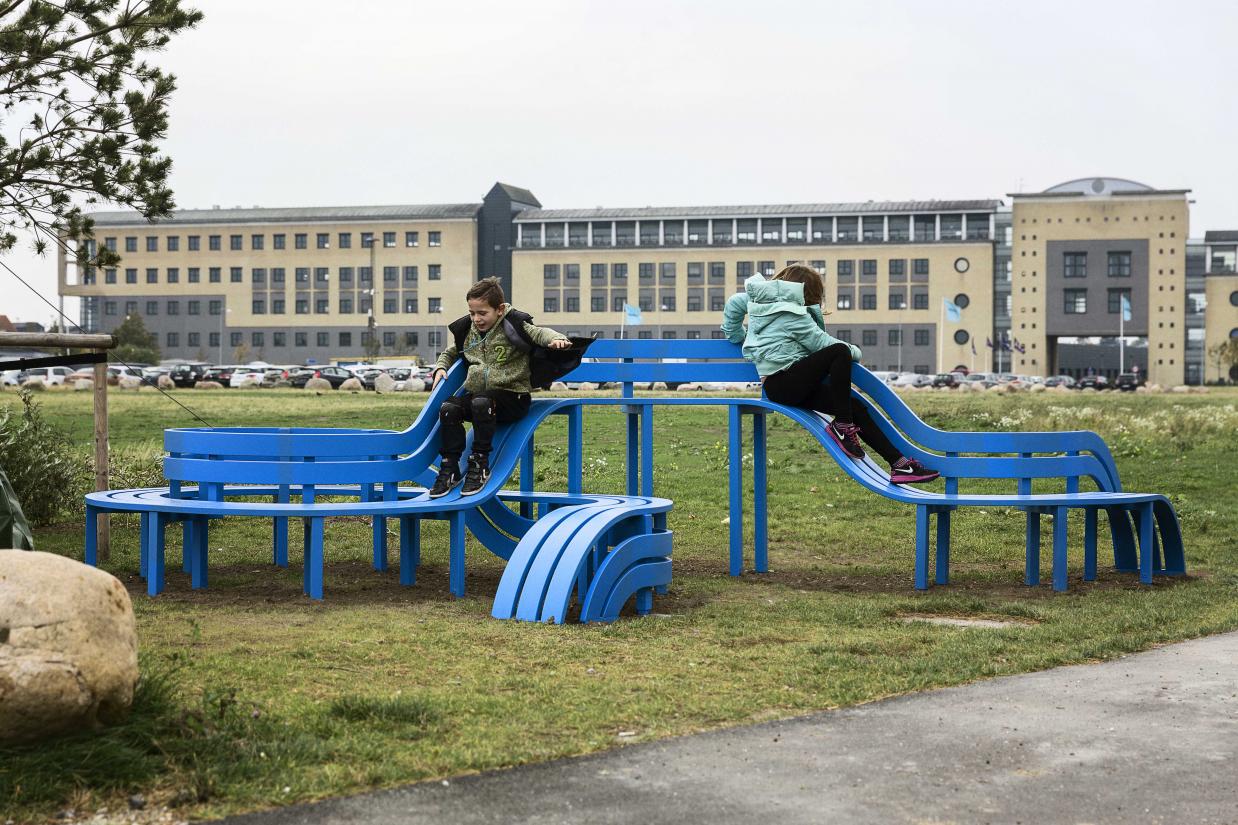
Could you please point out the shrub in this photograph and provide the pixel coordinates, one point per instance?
(44, 469)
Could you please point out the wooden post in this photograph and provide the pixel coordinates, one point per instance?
(101, 460)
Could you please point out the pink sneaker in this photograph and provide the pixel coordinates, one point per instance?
(846, 436)
(909, 471)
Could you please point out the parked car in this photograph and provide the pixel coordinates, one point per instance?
(186, 375)
(1006, 377)
(1060, 381)
(247, 373)
(336, 375)
(10, 378)
(948, 380)
(981, 379)
(1094, 382)
(912, 379)
(221, 374)
(51, 376)
(367, 377)
(887, 376)
(1128, 381)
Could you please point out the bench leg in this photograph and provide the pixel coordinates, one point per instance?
(155, 562)
(187, 539)
(922, 529)
(1147, 543)
(197, 550)
(1031, 565)
(279, 542)
(92, 536)
(380, 544)
(1125, 555)
(312, 571)
(144, 542)
(1059, 548)
(644, 601)
(410, 549)
(1089, 544)
(455, 565)
(735, 436)
(760, 514)
(526, 476)
(943, 547)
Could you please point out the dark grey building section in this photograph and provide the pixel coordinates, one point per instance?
(1097, 320)
(496, 233)
(1078, 360)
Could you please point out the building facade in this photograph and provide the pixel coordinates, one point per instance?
(311, 285)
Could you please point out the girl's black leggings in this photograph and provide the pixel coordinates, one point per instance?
(802, 385)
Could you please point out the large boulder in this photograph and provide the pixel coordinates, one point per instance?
(318, 384)
(659, 386)
(558, 386)
(68, 646)
(414, 385)
(1038, 388)
(130, 382)
(352, 385)
(165, 382)
(384, 383)
(34, 384)
(688, 388)
(586, 386)
(207, 385)
(84, 384)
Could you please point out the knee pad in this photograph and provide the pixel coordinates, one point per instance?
(450, 413)
(483, 408)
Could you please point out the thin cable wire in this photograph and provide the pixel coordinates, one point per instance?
(24, 283)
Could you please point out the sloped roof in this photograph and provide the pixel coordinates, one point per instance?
(1213, 236)
(519, 195)
(754, 211)
(296, 214)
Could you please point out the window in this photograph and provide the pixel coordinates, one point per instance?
(237, 274)
(797, 230)
(365, 275)
(345, 306)
(212, 242)
(696, 273)
(389, 305)
(301, 339)
(435, 238)
(410, 339)
(869, 267)
(434, 272)
(195, 339)
(743, 270)
(322, 306)
(388, 240)
(193, 307)
(367, 240)
(131, 244)
(619, 273)
(597, 273)
(1074, 264)
(278, 241)
(412, 238)
(766, 268)
(109, 276)
(667, 273)
(617, 302)
(258, 276)
(195, 243)
(174, 243)
(898, 299)
(717, 301)
(410, 275)
(571, 274)
(152, 243)
(869, 337)
(300, 240)
(235, 242)
(895, 337)
(257, 339)
(323, 240)
(571, 303)
(921, 338)
(1119, 264)
(215, 307)
(550, 274)
(410, 305)
(278, 306)
(844, 300)
(255, 241)
(279, 339)
(1115, 299)
(301, 306)
(194, 275)
(597, 303)
(391, 274)
(131, 276)
(898, 266)
(260, 306)
(152, 275)
(235, 339)
(550, 303)
(746, 232)
(672, 232)
(345, 339)
(771, 230)
(174, 339)
(174, 307)
(848, 229)
(344, 240)
(302, 274)
(868, 300)
(920, 266)
(435, 305)
(277, 275)
(695, 303)
(1076, 301)
(346, 275)
(152, 307)
(961, 337)
(962, 301)
(131, 308)
(846, 269)
(213, 339)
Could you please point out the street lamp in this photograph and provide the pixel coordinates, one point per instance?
(226, 311)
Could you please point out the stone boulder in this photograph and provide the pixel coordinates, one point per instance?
(250, 384)
(165, 382)
(318, 384)
(1038, 388)
(1142, 389)
(208, 385)
(1198, 388)
(1155, 388)
(130, 382)
(997, 388)
(352, 385)
(558, 386)
(384, 383)
(415, 385)
(687, 388)
(68, 646)
(1181, 388)
(34, 384)
(84, 384)
(659, 386)
(586, 386)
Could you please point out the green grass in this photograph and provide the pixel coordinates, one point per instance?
(256, 697)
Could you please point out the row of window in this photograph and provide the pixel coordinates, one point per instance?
(1076, 300)
(696, 301)
(279, 339)
(279, 306)
(257, 242)
(728, 231)
(716, 270)
(1075, 264)
(408, 274)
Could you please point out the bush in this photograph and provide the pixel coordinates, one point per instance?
(46, 472)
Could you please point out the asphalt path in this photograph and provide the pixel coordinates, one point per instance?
(1148, 738)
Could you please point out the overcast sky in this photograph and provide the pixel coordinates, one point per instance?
(651, 102)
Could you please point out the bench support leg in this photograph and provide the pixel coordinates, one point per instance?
(1089, 544)
(646, 455)
(313, 561)
(410, 549)
(526, 477)
(279, 543)
(1147, 543)
(943, 547)
(1125, 551)
(144, 544)
(735, 453)
(760, 513)
(455, 568)
(922, 529)
(575, 451)
(187, 539)
(1059, 548)
(1031, 564)
(155, 563)
(644, 601)
(92, 536)
(380, 544)
(196, 550)
(633, 464)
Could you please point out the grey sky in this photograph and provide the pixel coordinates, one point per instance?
(661, 103)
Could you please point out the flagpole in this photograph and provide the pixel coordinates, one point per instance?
(1122, 336)
(941, 335)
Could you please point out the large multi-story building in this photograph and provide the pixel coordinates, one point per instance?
(322, 283)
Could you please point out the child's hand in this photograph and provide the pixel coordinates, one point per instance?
(559, 343)
(438, 375)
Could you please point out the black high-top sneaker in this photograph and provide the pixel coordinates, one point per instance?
(476, 475)
(448, 478)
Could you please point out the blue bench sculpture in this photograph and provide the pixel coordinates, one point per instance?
(606, 549)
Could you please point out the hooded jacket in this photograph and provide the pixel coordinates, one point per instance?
(781, 330)
(494, 362)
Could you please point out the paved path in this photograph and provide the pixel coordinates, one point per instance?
(1150, 738)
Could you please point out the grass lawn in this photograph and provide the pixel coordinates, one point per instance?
(254, 696)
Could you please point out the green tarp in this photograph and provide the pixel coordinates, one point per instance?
(14, 531)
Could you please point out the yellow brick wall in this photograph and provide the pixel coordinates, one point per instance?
(1220, 319)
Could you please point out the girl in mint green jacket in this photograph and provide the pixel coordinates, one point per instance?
(795, 357)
